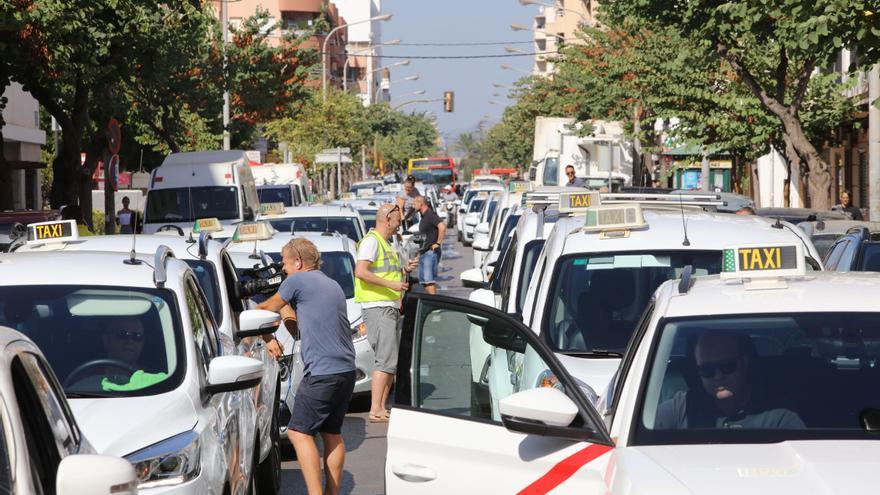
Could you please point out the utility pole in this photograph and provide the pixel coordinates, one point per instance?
(224, 16)
(874, 143)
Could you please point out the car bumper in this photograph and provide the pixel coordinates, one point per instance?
(363, 363)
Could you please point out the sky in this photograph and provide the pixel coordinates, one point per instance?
(457, 21)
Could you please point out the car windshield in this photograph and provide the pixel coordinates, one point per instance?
(824, 242)
(468, 195)
(189, 203)
(337, 265)
(100, 341)
(491, 212)
(761, 378)
(870, 261)
(369, 218)
(596, 299)
(207, 277)
(275, 195)
(347, 226)
(476, 205)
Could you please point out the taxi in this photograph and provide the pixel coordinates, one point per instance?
(601, 264)
(148, 374)
(215, 273)
(465, 208)
(316, 218)
(486, 232)
(338, 254)
(716, 394)
(43, 449)
(480, 208)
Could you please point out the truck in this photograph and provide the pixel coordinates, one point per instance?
(559, 143)
(285, 183)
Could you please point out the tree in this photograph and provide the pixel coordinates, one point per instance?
(6, 202)
(773, 48)
(399, 136)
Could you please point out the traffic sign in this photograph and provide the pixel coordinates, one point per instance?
(114, 136)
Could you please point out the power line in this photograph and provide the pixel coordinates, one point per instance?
(448, 57)
(469, 43)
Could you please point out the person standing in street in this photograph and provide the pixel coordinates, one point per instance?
(433, 231)
(378, 286)
(572, 180)
(405, 199)
(125, 217)
(846, 205)
(313, 306)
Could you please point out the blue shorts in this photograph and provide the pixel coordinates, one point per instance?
(321, 403)
(428, 265)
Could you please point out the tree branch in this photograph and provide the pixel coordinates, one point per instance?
(803, 84)
(781, 72)
(772, 104)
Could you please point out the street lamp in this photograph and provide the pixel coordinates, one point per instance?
(553, 6)
(408, 78)
(414, 93)
(497, 85)
(510, 67)
(510, 49)
(402, 63)
(357, 52)
(383, 17)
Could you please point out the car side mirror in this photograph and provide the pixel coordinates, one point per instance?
(86, 474)
(502, 336)
(231, 373)
(471, 222)
(483, 228)
(482, 245)
(543, 411)
(257, 322)
(473, 279)
(413, 229)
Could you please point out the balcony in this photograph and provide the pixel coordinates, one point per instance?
(301, 5)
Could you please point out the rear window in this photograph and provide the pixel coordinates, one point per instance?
(347, 226)
(189, 203)
(275, 195)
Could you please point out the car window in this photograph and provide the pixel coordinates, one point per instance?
(101, 341)
(531, 252)
(844, 264)
(338, 265)
(833, 258)
(203, 336)
(754, 378)
(42, 449)
(870, 257)
(476, 205)
(275, 195)
(207, 277)
(596, 299)
(236, 304)
(551, 171)
(185, 204)
(347, 226)
(66, 438)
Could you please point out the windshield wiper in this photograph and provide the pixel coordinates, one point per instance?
(594, 353)
(86, 395)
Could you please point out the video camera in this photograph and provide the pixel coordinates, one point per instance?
(263, 280)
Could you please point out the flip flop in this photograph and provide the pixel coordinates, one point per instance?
(375, 418)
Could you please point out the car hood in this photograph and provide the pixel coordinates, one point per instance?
(794, 467)
(595, 372)
(120, 426)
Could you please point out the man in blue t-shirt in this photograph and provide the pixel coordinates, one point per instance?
(313, 306)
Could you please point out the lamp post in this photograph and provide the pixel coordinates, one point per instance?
(414, 93)
(415, 101)
(404, 79)
(383, 17)
(510, 67)
(553, 6)
(358, 52)
(402, 63)
(510, 49)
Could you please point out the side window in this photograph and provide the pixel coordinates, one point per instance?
(847, 255)
(204, 335)
(833, 257)
(42, 448)
(230, 278)
(48, 391)
(616, 385)
(551, 172)
(466, 361)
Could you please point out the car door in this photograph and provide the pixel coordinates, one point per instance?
(442, 439)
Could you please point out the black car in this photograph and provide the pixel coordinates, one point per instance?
(856, 251)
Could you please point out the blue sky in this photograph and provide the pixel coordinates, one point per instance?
(458, 21)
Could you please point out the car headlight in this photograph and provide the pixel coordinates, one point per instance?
(172, 461)
(546, 379)
(359, 332)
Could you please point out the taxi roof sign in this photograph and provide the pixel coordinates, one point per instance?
(347, 196)
(52, 232)
(253, 231)
(614, 217)
(519, 186)
(577, 202)
(763, 261)
(272, 208)
(207, 225)
(365, 192)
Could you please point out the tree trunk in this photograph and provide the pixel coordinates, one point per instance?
(6, 201)
(67, 169)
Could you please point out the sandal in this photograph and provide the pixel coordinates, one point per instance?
(378, 418)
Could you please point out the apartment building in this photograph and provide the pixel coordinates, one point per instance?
(365, 74)
(296, 17)
(555, 24)
(22, 139)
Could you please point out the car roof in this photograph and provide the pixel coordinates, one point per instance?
(323, 242)
(145, 244)
(325, 210)
(815, 292)
(705, 231)
(836, 226)
(81, 268)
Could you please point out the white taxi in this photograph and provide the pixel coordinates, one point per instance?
(466, 207)
(147, 373)
(483, 203)
(216, 275)
(338, 254)
(42, 449)
(600, 266)
(317, 218)
(489, 227)
(755, 381)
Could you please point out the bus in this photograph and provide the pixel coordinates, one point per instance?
(438, 171)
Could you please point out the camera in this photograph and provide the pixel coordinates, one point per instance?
(262, 281)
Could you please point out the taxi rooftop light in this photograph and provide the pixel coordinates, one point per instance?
(577, 202)
(607, 218)
(671, 199)
(763, 264)
(208, 225)
(346, 196)
(57, 231)
(364, 192)
(253, 231)
(519, 186)
(272, 208)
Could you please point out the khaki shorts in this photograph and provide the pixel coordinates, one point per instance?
(383, 334)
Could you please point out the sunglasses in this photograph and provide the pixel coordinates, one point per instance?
(132, 335)
(569, 173)
(709, 370)
(392, 210)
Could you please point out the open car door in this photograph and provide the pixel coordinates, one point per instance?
(442, 437)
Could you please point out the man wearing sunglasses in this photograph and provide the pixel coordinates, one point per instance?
(730, 396)
(572, 180)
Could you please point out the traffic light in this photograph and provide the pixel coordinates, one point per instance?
(448, 101)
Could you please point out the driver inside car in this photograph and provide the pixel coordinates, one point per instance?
(123, 340)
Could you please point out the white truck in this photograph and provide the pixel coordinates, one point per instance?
(558, 144)
(285, 183)
(201, 184)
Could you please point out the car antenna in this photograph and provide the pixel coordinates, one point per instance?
(132, 260)
(684, 226)
(778, 224)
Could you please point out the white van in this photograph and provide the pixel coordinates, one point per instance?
(282, 183)
(201, 184)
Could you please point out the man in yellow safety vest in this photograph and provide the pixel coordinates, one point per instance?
(378, 285)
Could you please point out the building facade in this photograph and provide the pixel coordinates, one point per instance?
(555, 25)
(365, 74)
(22, 140)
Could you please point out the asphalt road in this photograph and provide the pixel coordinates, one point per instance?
(364, 441)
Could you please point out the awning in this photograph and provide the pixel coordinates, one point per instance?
(25, 165)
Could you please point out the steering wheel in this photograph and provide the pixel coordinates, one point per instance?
(170, 227)
(95, 363)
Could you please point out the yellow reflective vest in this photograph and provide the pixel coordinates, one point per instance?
(386, 266)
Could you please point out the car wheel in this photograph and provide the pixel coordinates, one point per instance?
(459, 236)
(268, 473)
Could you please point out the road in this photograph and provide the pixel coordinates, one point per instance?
(365, 441)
